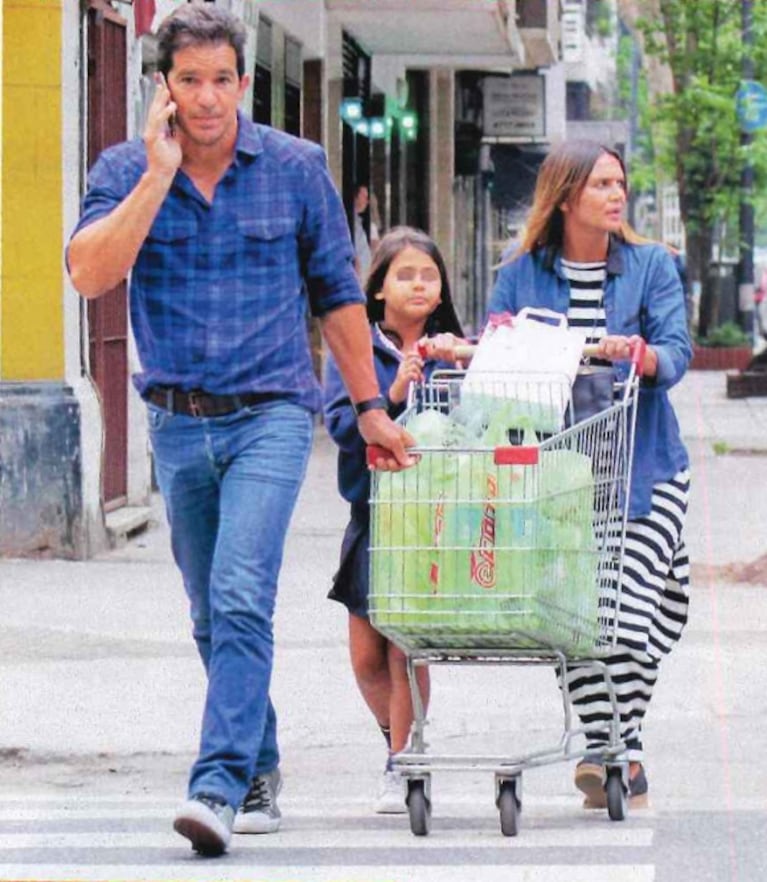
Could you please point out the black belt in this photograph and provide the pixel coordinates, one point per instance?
(198, 403)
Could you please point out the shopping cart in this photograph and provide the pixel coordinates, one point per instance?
(508, 553)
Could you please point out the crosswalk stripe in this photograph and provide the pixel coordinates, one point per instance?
(225, 869)
(452, 811)
(80, 838)
(18, 806)
(612, 836)
(473, 802)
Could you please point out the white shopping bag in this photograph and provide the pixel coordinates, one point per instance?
(529, 360)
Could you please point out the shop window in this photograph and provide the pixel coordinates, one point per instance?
(262, 73)
(293, 65)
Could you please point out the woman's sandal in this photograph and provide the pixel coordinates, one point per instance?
(590, 780)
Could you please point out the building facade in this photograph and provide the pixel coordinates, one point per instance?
(381, 85)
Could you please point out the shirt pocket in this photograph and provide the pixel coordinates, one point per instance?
(267, 242)
(168, 255)
(170, 231)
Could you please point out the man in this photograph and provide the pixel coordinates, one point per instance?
(231, 230)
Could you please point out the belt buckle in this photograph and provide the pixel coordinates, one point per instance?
(194, 404)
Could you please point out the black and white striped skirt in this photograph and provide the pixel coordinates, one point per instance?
(653, 612)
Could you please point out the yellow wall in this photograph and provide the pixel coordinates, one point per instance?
(31, 308)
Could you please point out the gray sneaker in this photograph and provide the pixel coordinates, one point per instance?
(206, 821)
(258, 812)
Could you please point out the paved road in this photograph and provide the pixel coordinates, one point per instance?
(101, 691)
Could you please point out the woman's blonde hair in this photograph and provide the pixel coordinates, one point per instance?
(562, 177)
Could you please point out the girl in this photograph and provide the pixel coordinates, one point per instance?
(408, 297)
(579, 257)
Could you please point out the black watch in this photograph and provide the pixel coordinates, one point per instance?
(376, 403)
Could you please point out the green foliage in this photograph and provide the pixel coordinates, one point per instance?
(642, 173)
(726, 335)
(694, 129)
(604, 25)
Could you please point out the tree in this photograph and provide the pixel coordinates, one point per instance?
(694, 125)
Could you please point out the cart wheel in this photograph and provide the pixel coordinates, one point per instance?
(508, 808)
(419, 808)
(616, 795)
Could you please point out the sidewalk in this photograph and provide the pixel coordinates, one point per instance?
(706, 414)
(102, 687)
(727, 442)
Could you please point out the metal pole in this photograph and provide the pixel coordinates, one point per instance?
(746, 216)
(633, 120)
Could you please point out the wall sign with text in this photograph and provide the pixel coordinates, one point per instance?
(514, 107)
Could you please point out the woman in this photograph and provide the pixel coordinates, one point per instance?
(408, 298)
(578, 256)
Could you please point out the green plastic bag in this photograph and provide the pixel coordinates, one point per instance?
(469, 554)
(407, 539)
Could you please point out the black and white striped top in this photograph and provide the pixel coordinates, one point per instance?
(586, 311)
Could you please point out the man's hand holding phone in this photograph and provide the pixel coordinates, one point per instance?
(160, 138)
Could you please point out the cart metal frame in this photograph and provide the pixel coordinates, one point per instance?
(607, 438)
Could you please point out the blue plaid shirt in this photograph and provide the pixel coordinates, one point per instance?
(219, 292)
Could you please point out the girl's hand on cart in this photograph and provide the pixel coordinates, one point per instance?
(388, 439)
(440, 346)
(614, 347)
(410, 371)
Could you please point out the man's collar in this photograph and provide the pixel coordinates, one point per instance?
(249, 140)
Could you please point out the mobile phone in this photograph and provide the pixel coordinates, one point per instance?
(172, 118)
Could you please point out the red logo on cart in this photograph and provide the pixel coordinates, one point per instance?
(439, 526)
(483, 557)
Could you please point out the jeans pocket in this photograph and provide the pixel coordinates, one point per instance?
(157, 417)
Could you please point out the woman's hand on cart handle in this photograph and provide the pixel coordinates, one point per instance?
(614, 347)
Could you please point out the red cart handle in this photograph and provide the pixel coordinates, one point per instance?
(463, 351)
(374, 453)
(638, 348)
(638, 351)
(519, 455)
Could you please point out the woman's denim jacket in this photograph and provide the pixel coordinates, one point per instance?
(642, 295)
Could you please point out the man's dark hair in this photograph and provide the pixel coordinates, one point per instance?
(192, 25)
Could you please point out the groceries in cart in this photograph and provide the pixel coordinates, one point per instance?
(528, 361)
(466, 548)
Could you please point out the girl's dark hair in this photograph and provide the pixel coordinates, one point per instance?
(192, 25)
(444, 318)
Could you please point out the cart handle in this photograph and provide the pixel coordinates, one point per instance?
(465, 352)
(638, 350)
(374, 453)
(516, 455)
(519, 455)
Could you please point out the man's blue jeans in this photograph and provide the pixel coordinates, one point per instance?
(230, 485)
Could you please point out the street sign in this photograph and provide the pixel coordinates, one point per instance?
(752, 105)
